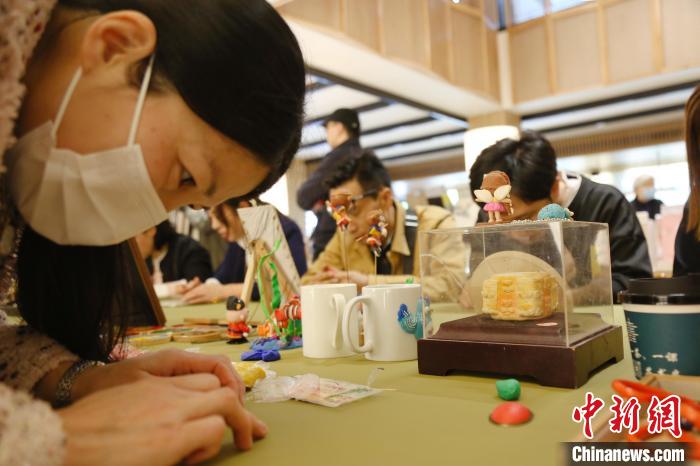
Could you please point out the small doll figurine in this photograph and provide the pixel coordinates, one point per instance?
(495, 193)
(377, 232)
(236, 313)
(338, 207)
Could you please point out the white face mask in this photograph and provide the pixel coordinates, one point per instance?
(94, 199)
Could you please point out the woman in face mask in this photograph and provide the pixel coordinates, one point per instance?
(130, 108)
(645, 200)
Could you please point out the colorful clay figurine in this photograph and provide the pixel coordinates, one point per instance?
(377, 234)
(338, 208)
(236, 314)
(412, 323)
(288, 317)
(495, 193)
(555, 212)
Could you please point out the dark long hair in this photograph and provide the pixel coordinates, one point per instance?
(78, 295)
(692, 144)
(239, 67)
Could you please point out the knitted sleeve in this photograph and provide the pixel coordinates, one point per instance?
(26, 356)
(31, 433)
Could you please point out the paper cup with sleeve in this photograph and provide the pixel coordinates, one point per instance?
(321, 316)
(385, 309)
(663, 325)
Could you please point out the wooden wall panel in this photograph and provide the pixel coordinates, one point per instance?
(529, 61)
(467, 50)
(362, 21)
(628, 27)
(404, 26)
(438, 16)
(680, 23)
(493, 82)
(324, 13)
(577, 50)
(474, 3)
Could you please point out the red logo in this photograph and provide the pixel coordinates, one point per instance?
(586, 412)
(665, 415)
(625, 414)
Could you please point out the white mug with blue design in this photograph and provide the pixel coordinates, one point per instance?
(390, 320)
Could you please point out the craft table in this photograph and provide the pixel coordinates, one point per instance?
(421, 420)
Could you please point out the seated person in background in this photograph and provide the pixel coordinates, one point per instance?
(368, 183)
(228, 278)
(532, 167)
(644, 200)
(171, 256)
(687, 252)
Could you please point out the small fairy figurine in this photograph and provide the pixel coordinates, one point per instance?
(338, 208)
(377, 233)
(236, 314)
(495, 193)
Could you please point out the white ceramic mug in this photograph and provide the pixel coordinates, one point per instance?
(321, 317)
(385, 340)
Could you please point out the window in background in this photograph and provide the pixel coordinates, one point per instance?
(310, 221)
(277, 196)
(525, 10)
(558, 5)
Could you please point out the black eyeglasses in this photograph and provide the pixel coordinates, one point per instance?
(352, 208)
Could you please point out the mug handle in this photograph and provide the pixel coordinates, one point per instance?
(349, 307)
(338, 303)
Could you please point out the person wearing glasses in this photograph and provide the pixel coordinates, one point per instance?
(343, 136)
(531, 164)
(368, 183)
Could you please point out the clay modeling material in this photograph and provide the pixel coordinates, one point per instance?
(508, 389)
(554, 212)
(250, 372)
(495, 194)
(510, 413)
(261, 355)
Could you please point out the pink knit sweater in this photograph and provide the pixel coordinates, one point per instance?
(30, 432)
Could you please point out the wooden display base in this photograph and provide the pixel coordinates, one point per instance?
(472, 344)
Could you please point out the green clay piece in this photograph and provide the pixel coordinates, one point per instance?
(508, 389)
(409, 281)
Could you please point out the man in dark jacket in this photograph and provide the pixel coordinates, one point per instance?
(342, 133)
(532, 167)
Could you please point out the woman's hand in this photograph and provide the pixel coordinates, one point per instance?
(212, 292)
(164, 363)
(157, 421)
(334, 275)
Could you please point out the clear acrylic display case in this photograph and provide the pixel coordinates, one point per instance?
(534, 283)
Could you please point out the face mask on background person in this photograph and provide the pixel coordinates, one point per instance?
(94, 199)
(647, 194)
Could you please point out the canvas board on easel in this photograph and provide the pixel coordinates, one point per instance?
(263, 229)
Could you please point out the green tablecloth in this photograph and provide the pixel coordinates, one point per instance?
(425, 420)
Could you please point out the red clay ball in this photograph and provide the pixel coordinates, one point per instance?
(510, 413)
